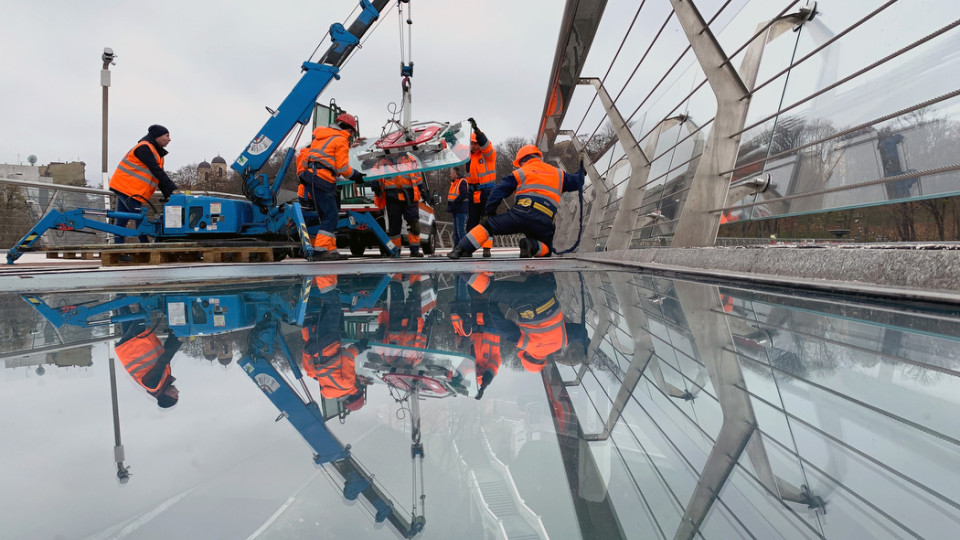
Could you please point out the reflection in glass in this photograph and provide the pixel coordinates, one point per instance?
(593, 404)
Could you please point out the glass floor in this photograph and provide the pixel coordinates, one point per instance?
(598, 404)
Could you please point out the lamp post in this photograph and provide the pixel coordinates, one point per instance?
(108, 58)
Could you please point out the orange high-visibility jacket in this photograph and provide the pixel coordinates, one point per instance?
(483, 167)
(338, 376)
(542, 338)
(538, 179)
(132, 176)
(329, 153)
(139, 355)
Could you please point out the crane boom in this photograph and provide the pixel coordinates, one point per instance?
(297, 107)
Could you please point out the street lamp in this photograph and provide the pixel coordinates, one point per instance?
(108, 58)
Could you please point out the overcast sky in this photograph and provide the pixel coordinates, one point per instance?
(207, 69)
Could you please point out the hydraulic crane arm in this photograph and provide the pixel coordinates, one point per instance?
(298, 106)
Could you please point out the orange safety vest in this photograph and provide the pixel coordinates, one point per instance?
(139, 355)
(132, 176)
(455, 188)
(329, 154)
(402, 179)
(482, 172)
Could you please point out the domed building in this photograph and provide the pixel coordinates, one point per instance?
(215, 171)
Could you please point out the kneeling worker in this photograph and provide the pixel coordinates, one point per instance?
(538, 186)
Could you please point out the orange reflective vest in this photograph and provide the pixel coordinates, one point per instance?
(329, 154)
(132, 176)
(482, 172)
(456, 187)
(538, 179)
(139, 355)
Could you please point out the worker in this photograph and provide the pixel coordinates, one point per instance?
(327, 159)
(324, 356)
(403, 323)
(534, 322)
(402, 198)
(139, 175)
(471, 316)
(482, 177)
(301, 163)
(458, 203)
(147, 360)
(538, 187)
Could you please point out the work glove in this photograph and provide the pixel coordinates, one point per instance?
(473, 125)
(377, 190)
(483, 220)
(357, 177)
(362, 345)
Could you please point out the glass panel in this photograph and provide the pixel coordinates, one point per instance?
(853, 403)
(829, 139)
(430, 147)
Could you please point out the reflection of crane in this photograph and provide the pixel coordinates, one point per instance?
(265, 311)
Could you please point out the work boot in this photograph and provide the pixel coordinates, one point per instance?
(326, 255)
(526, 248)
(415, 253)
(458, 252)
(486, 253)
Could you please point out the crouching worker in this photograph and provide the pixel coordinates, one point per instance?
(327, 159)
(538, 187)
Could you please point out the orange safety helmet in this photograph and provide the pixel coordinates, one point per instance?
(348, 120)
(473, 137)
(525, 151)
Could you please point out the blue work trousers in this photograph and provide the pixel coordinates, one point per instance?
(523, 220)
(459, 227)
(126, 203)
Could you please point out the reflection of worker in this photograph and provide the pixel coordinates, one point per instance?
(534, 322)
(327, 159)
(324, 357)
(471, 319)
(482, 177)
(458, 203)
(148, 361)
(139, 175)
(404, 323)
(538, 187)
(402, 198)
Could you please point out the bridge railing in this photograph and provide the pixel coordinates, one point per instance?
(695, 114)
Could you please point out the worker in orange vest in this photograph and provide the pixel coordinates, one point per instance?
(404, 321)
(534, 323)
(147, 360)
(458, 203)
(471, 317)
(324, 356)
(402, 199)
(538, 187)
(139, 175)
(482, 177)
(327, 159)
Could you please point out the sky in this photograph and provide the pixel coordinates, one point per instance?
(206, 70)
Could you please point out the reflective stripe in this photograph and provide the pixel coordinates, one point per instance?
(537, 331)
(138, 171)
